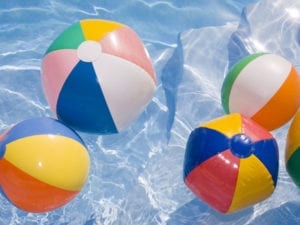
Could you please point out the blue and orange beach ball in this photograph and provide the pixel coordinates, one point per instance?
(43, 164)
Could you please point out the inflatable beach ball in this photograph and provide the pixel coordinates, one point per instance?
(292, 153)
(43, 164)
(97, 76)
(231, 163)
(264, 87)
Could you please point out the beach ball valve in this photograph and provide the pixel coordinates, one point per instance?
(97, 76)
(43, 164)
(231, 163)
(263, 87)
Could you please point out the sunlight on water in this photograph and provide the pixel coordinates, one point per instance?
(136, 176)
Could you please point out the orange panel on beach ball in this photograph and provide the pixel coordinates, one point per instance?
(263, 87)
(43, 164)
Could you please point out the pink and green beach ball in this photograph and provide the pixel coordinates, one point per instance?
(97, 76)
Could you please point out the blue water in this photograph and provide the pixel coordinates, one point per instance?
(136, 176)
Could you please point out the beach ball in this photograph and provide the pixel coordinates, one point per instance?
(231, 163)
(97, 76)
(292, 152)
(263, 87)
(43, 164)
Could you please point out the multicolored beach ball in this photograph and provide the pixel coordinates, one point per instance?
(231, 163)
(97, 76)
(292, 153)
(264, 87)
(43, 164)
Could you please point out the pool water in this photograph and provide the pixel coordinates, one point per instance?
(136, 175)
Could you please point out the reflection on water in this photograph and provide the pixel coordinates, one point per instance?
(136, 176)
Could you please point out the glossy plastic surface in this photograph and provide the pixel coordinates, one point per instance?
(44, 164)
(292, 151)
(260, 86)
(231, 170)
(97, 76)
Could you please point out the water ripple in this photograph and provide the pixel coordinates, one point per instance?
(136, 176)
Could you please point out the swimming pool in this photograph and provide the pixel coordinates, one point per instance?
(136, 176)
